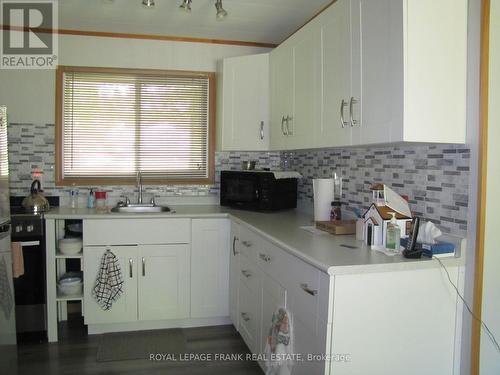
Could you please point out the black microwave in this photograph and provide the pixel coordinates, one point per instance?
(257, 191)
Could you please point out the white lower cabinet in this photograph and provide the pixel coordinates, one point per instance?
(273, 296)
(125, 308)
(234, 274)
(249, 319)
(210, 268)
(156, 283)
(164, 278)
(270, 278)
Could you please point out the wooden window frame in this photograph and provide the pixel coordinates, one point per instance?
(59, 128)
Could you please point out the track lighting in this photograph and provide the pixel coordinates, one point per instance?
(221, 12)
(186, 5)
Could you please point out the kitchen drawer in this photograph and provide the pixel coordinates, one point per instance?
(249, 317)
(136, 231)
(274, 261)
(250, 243)
(303, 292)
(249, 274)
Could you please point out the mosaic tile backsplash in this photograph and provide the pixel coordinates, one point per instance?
(435, 177)
(31, 146)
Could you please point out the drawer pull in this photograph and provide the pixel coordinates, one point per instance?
(246, 273)
(143, 267)
(266, 258)
(246, 243)
(306, 289)
(245, 317)
(130, 264)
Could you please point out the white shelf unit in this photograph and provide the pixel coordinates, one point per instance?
(66, 298)
(56, 262)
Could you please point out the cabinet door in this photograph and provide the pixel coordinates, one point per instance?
(281, 64)
(163, 272)
(273, 296)
(245, 116)
(305, 118)
(435, 70)
(210, 268)
(250, 316)
(336, 75)
(377, 81)
(234, 275)
(125, 308)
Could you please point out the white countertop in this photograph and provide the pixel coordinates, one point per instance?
(326, 252)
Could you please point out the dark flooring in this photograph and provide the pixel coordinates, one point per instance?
(76, 353)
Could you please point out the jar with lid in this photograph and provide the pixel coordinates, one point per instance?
(100, 201)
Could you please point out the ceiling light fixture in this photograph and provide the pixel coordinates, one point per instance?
(148, 3)
(221, 12)
(186, 5)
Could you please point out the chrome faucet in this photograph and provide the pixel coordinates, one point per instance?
(139, 187)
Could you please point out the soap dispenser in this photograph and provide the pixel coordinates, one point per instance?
(393, 237)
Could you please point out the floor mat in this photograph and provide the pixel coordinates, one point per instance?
(140, 344)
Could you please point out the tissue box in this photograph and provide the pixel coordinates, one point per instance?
(440, 249)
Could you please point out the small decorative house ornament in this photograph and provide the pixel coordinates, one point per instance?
(378, 194)
(379, 215)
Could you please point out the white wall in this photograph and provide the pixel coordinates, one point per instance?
(490, 357)
(30, 94)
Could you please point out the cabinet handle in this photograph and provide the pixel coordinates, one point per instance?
(143, 267)
(306, 289)
(283, 125)
(351, 118)
(130, 266)
(234, 245)
(288, 119)
(246, 273)
(266, 258)
(245, 317)
(342, 106)
(262, 130)
(246, 243)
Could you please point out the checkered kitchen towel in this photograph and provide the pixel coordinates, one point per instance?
(109, 284)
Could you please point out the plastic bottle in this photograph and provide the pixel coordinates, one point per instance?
(90, 199)
(73, 197)
(393, 237)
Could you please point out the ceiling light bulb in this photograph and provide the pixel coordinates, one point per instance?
(221, 12)
(148, 3)
(186, 5)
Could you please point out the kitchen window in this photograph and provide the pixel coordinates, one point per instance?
(112, 123)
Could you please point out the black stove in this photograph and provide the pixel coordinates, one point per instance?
(28, 230)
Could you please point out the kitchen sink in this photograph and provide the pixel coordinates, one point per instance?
(140, 208)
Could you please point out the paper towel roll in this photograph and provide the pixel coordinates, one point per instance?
(323, 196)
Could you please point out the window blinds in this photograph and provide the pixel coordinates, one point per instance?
(115, 124)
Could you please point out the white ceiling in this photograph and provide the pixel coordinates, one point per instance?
(265, 21)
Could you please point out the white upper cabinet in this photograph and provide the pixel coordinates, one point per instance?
(306, 88)
(295, 90)
(435, 74)
(409, 71)
(372, 71)
(281, 95)
(243, 113)
(336, 66)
